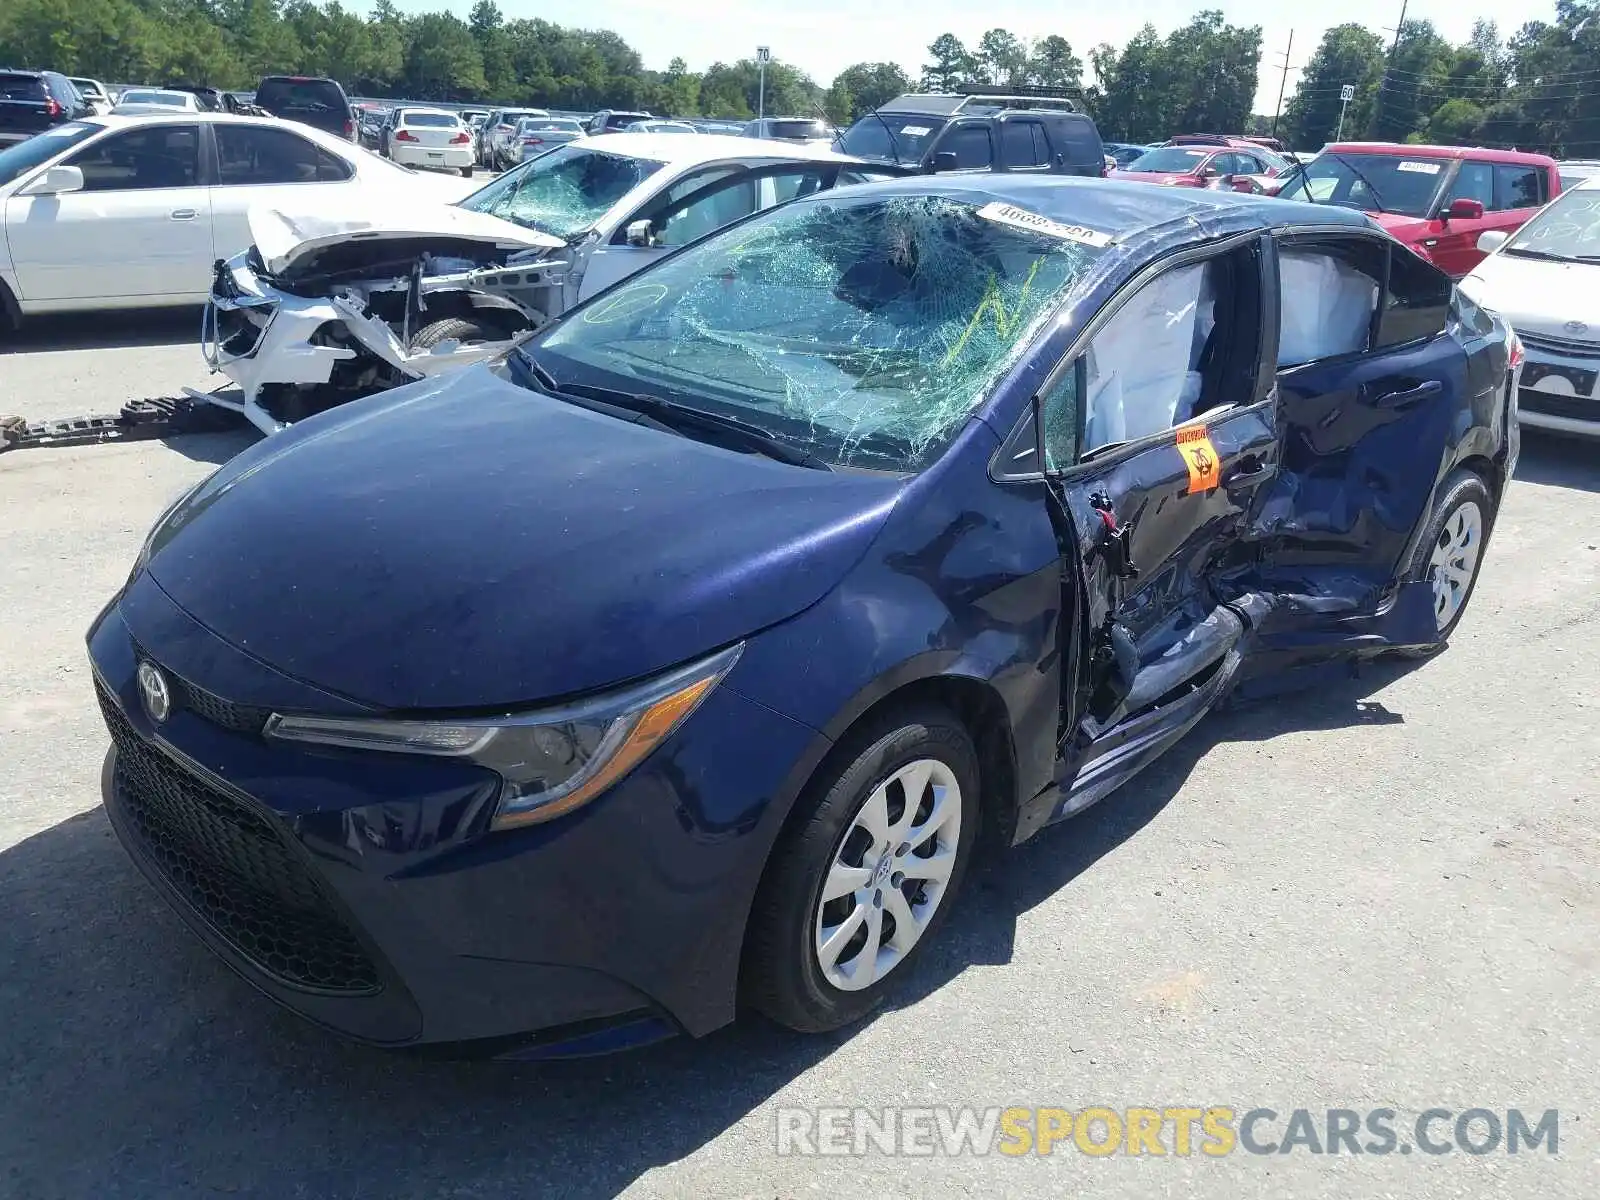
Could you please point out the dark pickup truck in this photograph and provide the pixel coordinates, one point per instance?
(33, 101)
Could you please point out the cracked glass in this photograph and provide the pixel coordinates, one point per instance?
(563, 192)
(865, 329)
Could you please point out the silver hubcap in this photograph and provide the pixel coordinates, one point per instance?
(1454, 561)
(889, 874)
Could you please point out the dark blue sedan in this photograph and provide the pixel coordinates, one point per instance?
(681, 659)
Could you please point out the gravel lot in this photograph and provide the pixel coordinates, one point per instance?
(1386, 892)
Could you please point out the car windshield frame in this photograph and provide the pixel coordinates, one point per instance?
(1384, 176)
(892, 137)
(1554, 231)
(499, 199)
(865, 330)
(18, 159)
(1179, 160)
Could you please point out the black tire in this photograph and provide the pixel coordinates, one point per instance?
(462, 328)
(781, 976)
(466, 172)
(1460, 489)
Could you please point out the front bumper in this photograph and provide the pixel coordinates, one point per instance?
(1560, 385)
(364, 891)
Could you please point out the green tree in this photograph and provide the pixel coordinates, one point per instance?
(1455, 122)
(1052, 63)
(1414, 82)
(1002, 59)
(952, 64)
(1350, 55)
(442, 59)
(859, 89)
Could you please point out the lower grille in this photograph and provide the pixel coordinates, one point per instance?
(235, 868)
(1571, 347)
(1576, 407)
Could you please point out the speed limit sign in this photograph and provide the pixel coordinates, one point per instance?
(763, 54)
(1347, 93)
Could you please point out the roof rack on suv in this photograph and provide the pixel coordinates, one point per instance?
(983, 98)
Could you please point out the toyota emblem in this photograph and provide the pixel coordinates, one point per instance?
(1575, 327)
(153, 691)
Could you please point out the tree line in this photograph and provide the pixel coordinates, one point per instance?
(1539, 88)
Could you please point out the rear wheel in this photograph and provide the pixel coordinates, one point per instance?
(865, 875)
(467, 171)
(1450, 552)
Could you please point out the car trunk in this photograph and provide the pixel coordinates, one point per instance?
(26, 106)
(431, 137)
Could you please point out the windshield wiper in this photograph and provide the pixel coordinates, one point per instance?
(1549, 255)
(1377, 200)
(894, 143)
(526, 368)
(645, 409)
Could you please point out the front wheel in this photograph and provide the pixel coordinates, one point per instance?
(865, 873)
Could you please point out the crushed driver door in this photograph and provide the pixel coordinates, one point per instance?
(1158, 517)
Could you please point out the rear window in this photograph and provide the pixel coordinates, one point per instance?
(618, 120)
(797, 129)
(300, 95)
(1173, 160)
(429, 120)
(16, 86)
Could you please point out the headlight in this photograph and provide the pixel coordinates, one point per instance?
(552, 761)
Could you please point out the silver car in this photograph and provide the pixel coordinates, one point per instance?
(535, 135)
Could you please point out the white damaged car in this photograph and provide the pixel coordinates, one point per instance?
(325, 307)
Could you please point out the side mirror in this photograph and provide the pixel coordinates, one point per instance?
(1491, 240)
(1209, 172)
(1464, 210)
(54, 182)
(943, 160)
(638, 234)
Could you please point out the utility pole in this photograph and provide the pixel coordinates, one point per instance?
(1377, 101)
(1283, 83)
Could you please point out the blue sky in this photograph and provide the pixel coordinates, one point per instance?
(824, 36)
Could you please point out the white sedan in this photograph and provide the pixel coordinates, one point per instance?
(145, 99)
(431, 137)
(1544, 279)
(131, 212)
(415, 292)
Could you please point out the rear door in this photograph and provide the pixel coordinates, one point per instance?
(141, 226)
(1370, 385)
(267, 166)
(696, 205)
(1162, 431)
(1024, 147)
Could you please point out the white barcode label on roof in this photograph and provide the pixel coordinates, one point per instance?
(1021, 218)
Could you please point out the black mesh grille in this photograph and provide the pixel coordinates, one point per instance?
(1558, 406)
(240, 718)
(234, 867)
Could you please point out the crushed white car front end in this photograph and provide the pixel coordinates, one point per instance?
(324, 309)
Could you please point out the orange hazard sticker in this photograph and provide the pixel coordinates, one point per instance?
(1200, 456)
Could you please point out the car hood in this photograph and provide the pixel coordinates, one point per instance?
(465, 543)
(1150, 176)
(1538, 296)
(295, 244)
(1400, 226)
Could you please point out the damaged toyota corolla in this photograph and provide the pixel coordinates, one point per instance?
(681, 659)
(328, 306)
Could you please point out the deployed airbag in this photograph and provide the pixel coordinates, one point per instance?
(1327, 308)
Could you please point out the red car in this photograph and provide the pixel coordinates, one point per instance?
(1435, 199)
(1203, 161)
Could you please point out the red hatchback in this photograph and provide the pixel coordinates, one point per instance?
(1435, 199)
(1201, 163)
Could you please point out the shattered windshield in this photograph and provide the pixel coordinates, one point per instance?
(563, 192)
(1568, 228)
(865, 330)
(894, 138)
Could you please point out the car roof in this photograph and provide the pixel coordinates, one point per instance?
(1397, 149)
(1113, 207)
(706, 147)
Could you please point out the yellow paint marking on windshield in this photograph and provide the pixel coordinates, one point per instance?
(1005, 323)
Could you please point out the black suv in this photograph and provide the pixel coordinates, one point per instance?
(1029, 130)
(33, 101)
(319, 103)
